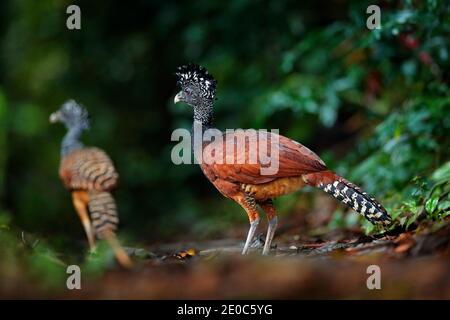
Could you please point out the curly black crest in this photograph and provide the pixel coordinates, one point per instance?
(196, 77)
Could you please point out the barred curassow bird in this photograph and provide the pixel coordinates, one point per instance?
(243, 181)
(89, 174)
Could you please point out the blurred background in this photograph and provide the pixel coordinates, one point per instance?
(374, 104)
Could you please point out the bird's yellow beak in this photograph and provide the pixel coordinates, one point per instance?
(179, 97)
(55, 117)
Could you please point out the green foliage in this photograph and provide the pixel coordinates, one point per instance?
(396, 75)
(99, 261)
(43, 265)
(29, 259)
(3, 144)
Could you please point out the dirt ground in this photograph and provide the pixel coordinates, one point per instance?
(413, 265)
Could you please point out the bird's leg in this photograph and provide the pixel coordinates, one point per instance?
(248, 203)
(80, 201)
(269, 209)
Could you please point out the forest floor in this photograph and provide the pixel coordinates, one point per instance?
(331, 265)
(412, 265)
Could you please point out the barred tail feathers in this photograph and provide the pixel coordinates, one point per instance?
(351, 195)
(103, 212)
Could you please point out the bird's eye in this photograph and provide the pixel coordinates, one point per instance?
(188, 90)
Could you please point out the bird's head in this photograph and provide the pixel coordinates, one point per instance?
(198, 87)
(72, 115)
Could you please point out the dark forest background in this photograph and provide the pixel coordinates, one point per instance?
(374, 104)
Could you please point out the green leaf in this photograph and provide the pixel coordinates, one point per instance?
(443, 172)
(445, 207)
(411, 220)
(431, 204)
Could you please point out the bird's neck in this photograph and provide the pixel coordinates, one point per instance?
(204, 114)
(203, 120)
(71, 140)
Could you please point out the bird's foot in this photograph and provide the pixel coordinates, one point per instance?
(258, 241)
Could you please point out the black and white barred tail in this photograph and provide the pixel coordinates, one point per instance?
(103, 212)
(352, 196)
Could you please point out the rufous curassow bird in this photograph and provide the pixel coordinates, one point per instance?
(243, 181)
(89, 174)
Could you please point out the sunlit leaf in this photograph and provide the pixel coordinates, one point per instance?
(431, 204)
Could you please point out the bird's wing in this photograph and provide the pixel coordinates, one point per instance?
(88, 169)
(286, 157)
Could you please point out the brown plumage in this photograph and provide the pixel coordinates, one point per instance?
(298, 166)
(235, 173)
(92, 171)
(89, 174)
(88, 169)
